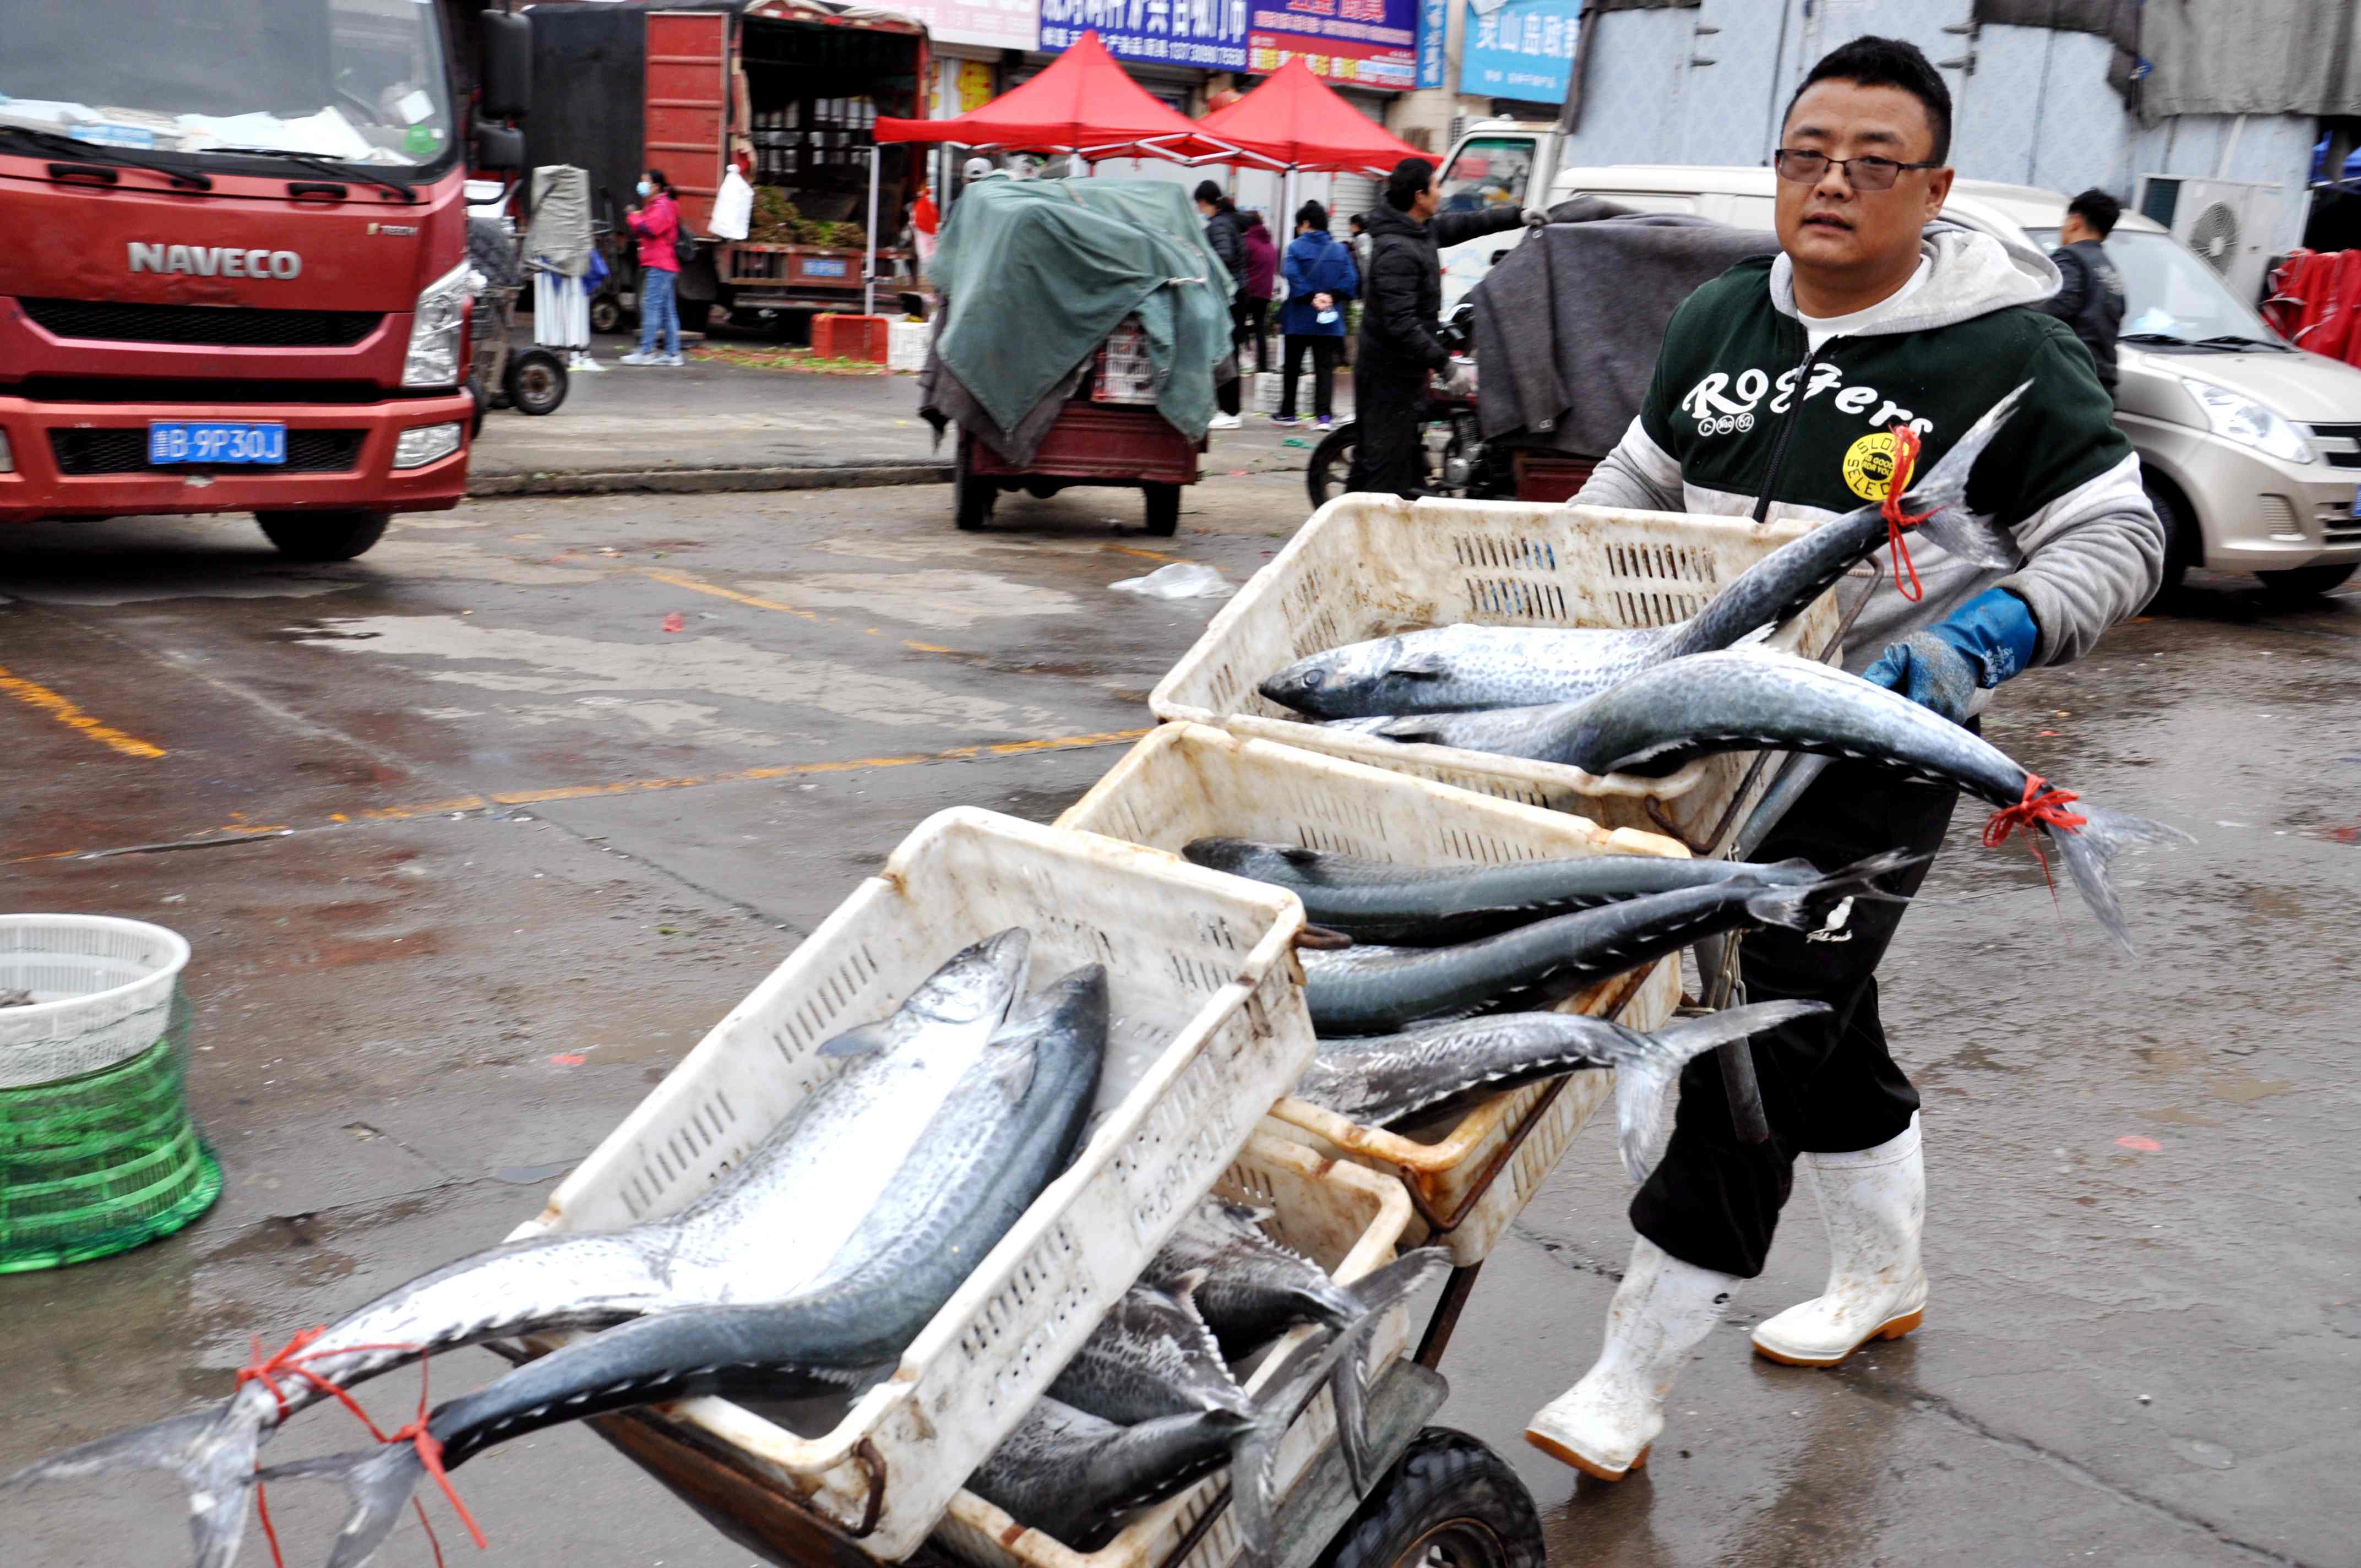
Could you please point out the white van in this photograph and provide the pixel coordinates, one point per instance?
(2251, 449)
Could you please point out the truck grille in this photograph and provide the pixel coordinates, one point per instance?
(125, 450)
(223, 326)
(2340, 443)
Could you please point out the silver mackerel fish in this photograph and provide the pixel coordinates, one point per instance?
(755, 1235)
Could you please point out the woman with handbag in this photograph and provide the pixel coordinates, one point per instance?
(1319, 278)
(656, 223)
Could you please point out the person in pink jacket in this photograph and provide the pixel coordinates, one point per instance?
(656, 222)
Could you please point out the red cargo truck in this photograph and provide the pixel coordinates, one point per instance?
(235, 273)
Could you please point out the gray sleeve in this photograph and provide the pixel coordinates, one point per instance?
(1639, 475)
(2092, 558)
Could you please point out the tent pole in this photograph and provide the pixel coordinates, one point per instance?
(869, 268)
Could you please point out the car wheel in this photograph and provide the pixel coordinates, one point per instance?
(2305, 582)
(2184, 546)
(323, 535)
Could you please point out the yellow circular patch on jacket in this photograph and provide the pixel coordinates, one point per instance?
(1868, 466)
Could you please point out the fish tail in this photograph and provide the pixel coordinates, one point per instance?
(211, 1450)
(1970, 536)
(1651, 1062)
(1946, 484)
(1809, 906)
(2088, 849)
(1373, 1295)
(379, 1480)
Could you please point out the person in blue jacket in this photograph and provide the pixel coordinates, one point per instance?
(1319, 278)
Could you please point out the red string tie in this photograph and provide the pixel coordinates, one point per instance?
(2041, 806)
(1905, 465)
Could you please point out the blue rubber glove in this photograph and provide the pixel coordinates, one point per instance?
(1985, 641)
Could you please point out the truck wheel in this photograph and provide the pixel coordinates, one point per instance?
(323, 535)
(694, 313)
(2184, 546)
(1332, 465)
(1163, 509)
(606, 315)
(536, 382)
(971, 497)
(1450, 1501)
(2305, 582)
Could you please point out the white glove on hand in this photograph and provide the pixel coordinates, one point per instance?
(1535, 218)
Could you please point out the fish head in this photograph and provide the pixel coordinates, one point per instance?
(976, 984)
(1339, 683)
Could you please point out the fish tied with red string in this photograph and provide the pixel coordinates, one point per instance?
(1692, 708)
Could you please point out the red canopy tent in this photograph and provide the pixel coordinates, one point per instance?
(1294, 121)
(1082, 104)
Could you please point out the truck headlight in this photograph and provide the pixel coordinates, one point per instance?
(2248, 423)
(416, 448)
(436, 326)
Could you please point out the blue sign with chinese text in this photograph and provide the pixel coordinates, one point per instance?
(1518, 48)
(1210, 35)
(1434, 23)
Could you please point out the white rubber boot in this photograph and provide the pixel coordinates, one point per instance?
(1874, 1204)
(1604, 1425)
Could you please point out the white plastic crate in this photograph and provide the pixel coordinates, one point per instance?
(1190, 781)
(1208, 1016)
(1370, 567)
(102, 992)
(905, 345)
(1270, 386)
(1345, 1218)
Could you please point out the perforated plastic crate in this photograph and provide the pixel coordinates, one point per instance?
(1468, 1174)
(1370, 567)
(1344, 1218)
(1209, 1027)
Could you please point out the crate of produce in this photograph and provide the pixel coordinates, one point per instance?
(1369, 566)
(1209, 1028)
(1470, 1174)
(1347, 1219)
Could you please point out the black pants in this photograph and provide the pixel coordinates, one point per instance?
(1250, 320)
(1226, 395)
(1829, 1085)
(1389, 424)
(1322, 349)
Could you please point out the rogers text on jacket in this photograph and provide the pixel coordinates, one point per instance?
(1721, 405)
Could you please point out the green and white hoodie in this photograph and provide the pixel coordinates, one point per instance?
(1743, 419)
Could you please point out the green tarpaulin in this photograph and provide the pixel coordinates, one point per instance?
(1038, 272)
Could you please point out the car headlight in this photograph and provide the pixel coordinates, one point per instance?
(2248, 423)
(416, 448)
(436, 326)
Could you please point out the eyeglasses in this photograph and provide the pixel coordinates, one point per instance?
(1806, 167)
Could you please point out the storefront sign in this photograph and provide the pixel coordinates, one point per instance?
(1210, 35)
(1369, 43)
(973, 85)
(991, 23)
(1519, 49)
(1433, 26)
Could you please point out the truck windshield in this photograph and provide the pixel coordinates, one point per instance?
(2170, 292)
(359, 82)
(1489, 171)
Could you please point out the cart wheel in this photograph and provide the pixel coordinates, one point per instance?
(971, 497)
(1163, 509)
(606, 315)
(1449, 1501)
(1332, 465)
(323, 535)
(535, 382)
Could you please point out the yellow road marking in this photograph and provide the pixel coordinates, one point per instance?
(1150, 554)
(65, 712)
(682, 580)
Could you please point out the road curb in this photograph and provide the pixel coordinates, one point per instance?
(706, 481)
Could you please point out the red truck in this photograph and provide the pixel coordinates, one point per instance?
(234, 274)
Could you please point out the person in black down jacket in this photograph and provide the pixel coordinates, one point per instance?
(1226, 231)
(2092, 298)
(1401, 325)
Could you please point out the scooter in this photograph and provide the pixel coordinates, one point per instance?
(1460, 464)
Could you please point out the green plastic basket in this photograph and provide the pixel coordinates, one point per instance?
(104, 1159)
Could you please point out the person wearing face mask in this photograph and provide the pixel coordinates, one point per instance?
(656, 223)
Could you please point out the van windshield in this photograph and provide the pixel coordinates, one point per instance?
(2170, 295)
(1490, 171)
(359, 82)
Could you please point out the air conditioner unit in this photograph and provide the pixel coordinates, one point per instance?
(2230, 223)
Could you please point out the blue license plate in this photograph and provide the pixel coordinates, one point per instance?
(823, 266)
(216, 441)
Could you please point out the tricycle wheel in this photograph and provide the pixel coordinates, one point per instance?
(1331, 467)
(971, 497)
(1448, 1501)
(1163, 509)
(606, 313)
(535, 382)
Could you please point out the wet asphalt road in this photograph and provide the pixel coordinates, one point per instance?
(488, 848)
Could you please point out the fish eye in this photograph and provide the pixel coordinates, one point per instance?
(1314, 679)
